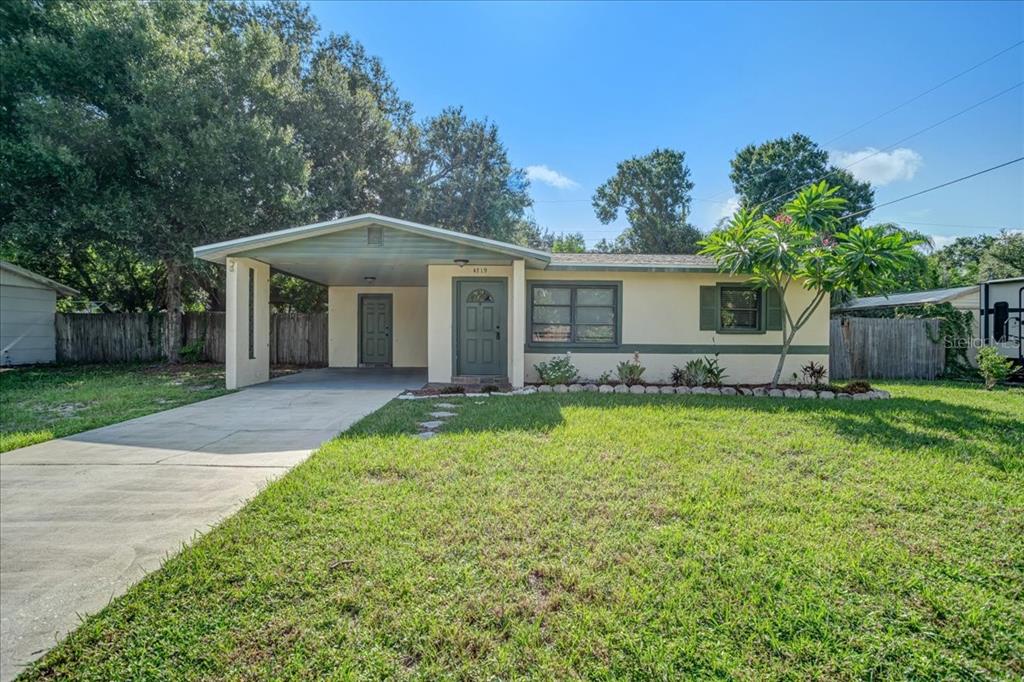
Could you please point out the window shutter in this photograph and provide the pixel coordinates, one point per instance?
(708, 308)
(773, 310)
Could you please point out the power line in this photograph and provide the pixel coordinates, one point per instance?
(932, 189)
(922, 94)
(897, 142)
(909, 101)
(910, 221)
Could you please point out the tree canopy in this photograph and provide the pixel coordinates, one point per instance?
(769, 175)
(801, 246)
(654, 192)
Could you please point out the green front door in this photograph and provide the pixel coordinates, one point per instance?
(375, 329)
(480, 347)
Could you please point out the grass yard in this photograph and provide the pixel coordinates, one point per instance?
(41, 403)
(608, 536)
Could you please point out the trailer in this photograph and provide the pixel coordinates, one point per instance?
(1002, 319)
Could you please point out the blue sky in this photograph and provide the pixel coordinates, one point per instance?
(576, 87)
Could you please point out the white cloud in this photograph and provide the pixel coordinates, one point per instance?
(882, 167)
(728, 207)
(550, 177)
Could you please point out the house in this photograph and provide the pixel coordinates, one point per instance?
(27, 304)
(468, 309)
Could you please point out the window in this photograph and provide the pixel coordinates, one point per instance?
(252, 314)
(479, 296)
(585, 314)
(739, 309)
(375, 236)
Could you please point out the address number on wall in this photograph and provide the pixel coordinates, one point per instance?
(479, 271)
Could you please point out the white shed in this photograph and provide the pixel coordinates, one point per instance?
(28, 302)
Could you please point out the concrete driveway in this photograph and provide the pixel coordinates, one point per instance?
(83, 518)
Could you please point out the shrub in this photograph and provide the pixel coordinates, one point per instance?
(604, 378)
(994, 367)
(558, 370)
(814, 373)
(452, 389)
(630, 371)
(193, 350)
(857, 387)
(713, 372)
(691, 374)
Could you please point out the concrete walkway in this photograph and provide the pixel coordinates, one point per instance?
(83, 518)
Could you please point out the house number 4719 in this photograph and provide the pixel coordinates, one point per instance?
(479, 271)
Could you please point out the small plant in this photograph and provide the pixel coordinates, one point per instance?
(193, 351)
(631, 371)
(857, 387)
(558, 370)
(452, 389)
(994, 368)
(713, 372)
(678, 375)
(604, 378)
(814, 373)
(692, 374)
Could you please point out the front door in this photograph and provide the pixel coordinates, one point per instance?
(375, 329)
(481, 338)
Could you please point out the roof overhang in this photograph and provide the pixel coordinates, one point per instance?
(61, 289)
(216, 253)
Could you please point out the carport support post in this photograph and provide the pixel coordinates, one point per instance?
(517, 339)
(247, 323)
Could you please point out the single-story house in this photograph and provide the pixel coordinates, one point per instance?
(471, 309)
(28, 302)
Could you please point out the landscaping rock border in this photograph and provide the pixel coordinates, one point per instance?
(756, 392)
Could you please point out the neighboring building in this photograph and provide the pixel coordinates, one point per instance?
(467, 308)
(961, 298)
(28, 302)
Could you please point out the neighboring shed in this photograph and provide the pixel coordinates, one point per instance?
(28, 302)
(961, 298)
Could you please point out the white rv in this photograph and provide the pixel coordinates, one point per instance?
(1002, 322)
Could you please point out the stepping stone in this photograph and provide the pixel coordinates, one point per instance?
(443, 415)
(426, 434)
(445, 405)
(431, 425)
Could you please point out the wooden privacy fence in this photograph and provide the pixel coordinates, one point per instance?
(885, 348)
(295, 338)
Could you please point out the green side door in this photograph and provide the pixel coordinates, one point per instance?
(375, 329)
(481, 339)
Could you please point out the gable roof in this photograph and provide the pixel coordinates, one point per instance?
(219, 251)
(61, 289)
(931, 296)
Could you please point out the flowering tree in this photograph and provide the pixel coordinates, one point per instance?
(803, 247)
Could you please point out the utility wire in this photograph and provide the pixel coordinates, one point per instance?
(909, 101)
(922, 94)
(894, 144)
(932, 189)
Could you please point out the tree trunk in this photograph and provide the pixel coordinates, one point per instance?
(786, 343)
(172, 328)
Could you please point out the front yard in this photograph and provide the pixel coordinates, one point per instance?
(607, 536)
(41, 403)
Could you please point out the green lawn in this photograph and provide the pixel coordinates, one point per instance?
(40, 403)
(608, 536)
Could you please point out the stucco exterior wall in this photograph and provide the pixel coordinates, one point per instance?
(240, 369)
(26, 320)
(663, 309)
(409, 325)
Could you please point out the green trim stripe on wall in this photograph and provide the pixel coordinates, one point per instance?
(680, 349)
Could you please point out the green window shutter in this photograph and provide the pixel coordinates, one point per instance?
(708, 308)
(773, 310)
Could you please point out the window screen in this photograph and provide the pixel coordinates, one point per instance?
(740, 308)
(252, 314)
(583, 314)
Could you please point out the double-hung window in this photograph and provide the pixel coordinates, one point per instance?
(574, 314)
(739, 309)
